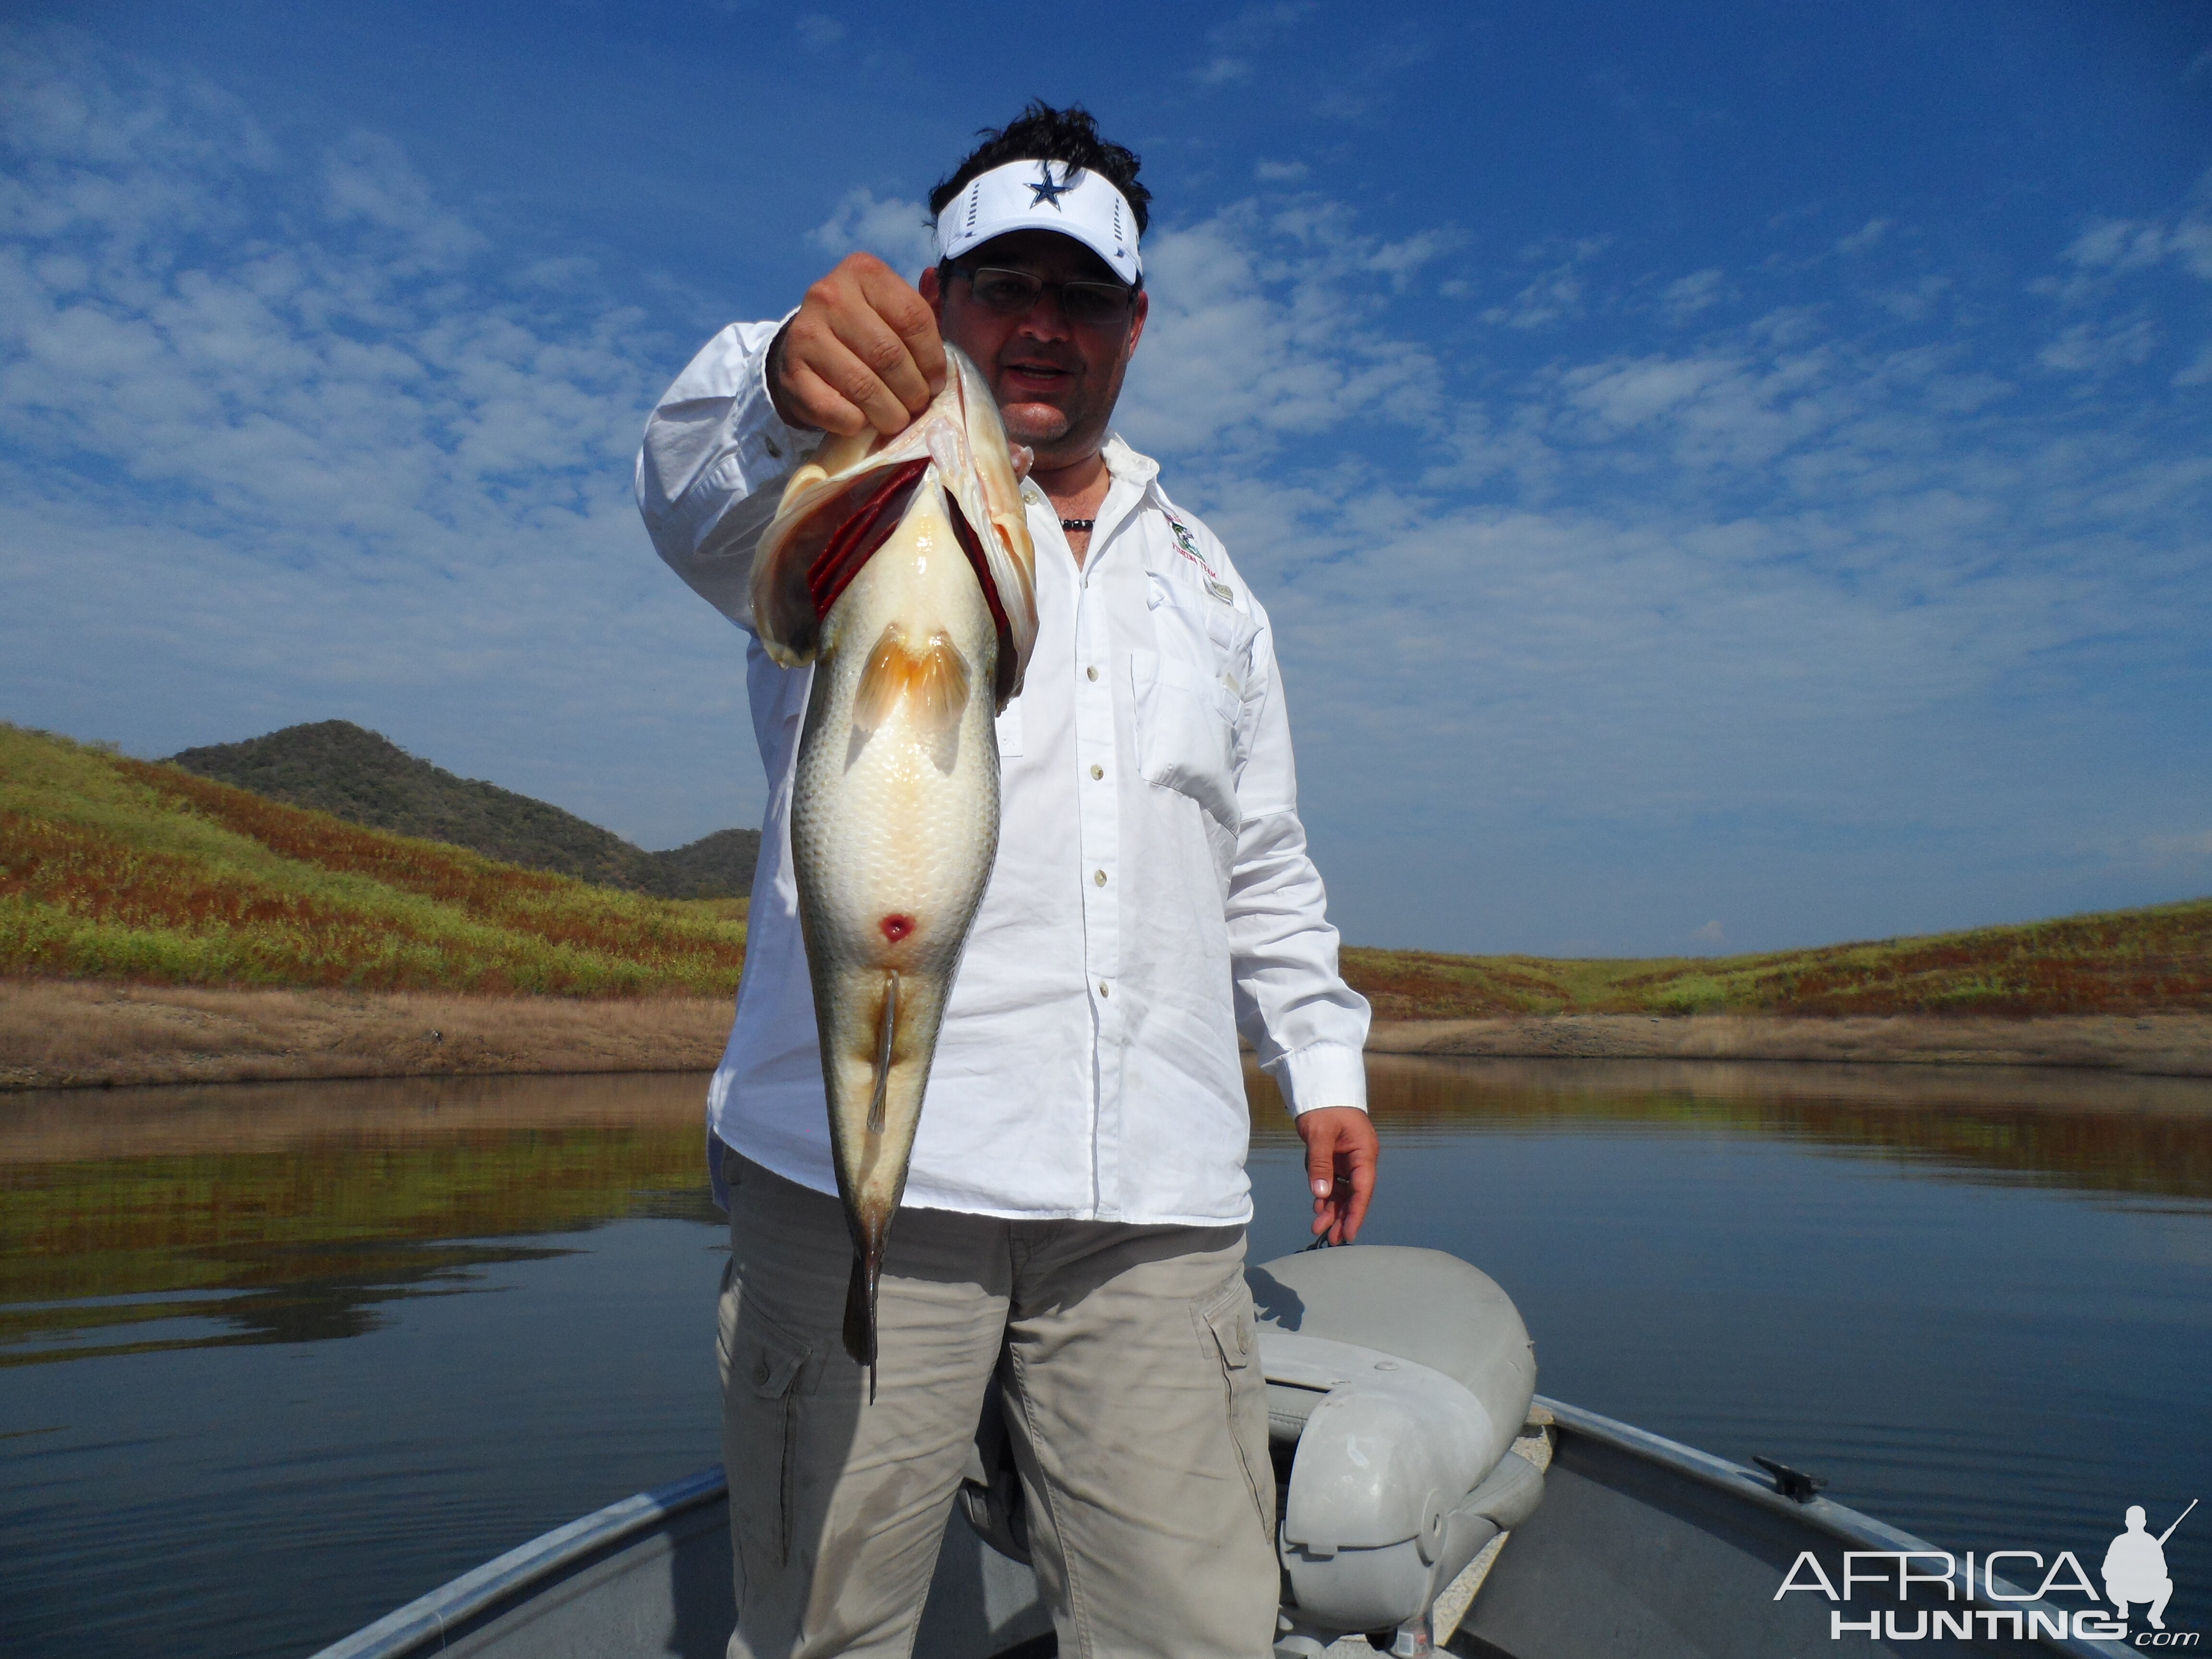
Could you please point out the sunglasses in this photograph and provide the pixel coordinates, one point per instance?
(1015, 294)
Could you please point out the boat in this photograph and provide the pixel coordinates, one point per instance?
(1431, 1502)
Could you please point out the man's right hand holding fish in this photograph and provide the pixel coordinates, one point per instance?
(1023, 1049)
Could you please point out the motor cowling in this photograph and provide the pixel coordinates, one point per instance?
(1397, 1380)
(1398, 1478)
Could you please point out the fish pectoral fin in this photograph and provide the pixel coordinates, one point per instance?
(933, 682)
(804, 480)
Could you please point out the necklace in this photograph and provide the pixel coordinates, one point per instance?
(1077, 524)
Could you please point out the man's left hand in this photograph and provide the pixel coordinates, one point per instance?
(1341, 1151)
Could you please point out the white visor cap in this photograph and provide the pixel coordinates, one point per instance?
(1043, 196)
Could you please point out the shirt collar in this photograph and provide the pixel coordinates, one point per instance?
(1125, 463)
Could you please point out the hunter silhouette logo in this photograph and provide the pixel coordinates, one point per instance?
(1978, 1603)
(2135, 1567)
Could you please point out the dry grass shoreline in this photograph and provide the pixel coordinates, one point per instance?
(2153, 1045)
(90, 1034)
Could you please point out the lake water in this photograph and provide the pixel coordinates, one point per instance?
(276, 1358)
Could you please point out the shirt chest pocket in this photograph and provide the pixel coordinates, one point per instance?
(1186, 732)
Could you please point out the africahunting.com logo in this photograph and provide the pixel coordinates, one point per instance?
(2134, 1575)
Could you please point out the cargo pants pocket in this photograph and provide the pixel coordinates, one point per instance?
(1228, 1320)
(761, 1402)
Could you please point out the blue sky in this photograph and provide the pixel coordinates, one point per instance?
(1725, 475)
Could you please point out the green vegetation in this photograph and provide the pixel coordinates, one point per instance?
(113, 867)
(2120, 962)
(338, 767)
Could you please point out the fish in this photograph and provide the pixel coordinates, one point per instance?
(902, 569)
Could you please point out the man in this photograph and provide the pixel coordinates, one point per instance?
(1073, 1220)
(2135, 1569)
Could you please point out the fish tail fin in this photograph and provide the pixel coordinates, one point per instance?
(860, 1313)
(933, 683)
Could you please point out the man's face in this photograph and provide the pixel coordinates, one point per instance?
(1056, 382)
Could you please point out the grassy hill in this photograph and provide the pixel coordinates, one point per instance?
(363, 777)
(2119, 962)
(114, 867)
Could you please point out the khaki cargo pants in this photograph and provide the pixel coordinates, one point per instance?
(1135, 1403)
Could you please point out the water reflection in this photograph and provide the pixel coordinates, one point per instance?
(294, 1212)
(2090, 1131)
(136, 1221)
(1888, 1274)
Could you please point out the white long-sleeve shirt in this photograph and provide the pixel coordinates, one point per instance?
(1153, 894)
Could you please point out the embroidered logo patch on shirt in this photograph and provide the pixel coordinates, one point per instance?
(1187, 544)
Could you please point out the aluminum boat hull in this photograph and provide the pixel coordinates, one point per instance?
(1643, 1548)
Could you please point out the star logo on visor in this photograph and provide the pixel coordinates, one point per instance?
(1045, 190)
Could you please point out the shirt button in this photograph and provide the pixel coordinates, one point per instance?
(1090, 673)
(1102, 991)
(1098, 877)
(1097, 771)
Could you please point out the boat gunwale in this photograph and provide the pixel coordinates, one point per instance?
(1840, 1521)
(428, 1617)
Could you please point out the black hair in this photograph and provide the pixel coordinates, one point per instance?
(1042, 133)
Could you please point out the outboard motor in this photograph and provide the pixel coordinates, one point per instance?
(1397, 1380)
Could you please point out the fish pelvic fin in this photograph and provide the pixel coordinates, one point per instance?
(933, 683)
(887, 1030)
(860, 1313)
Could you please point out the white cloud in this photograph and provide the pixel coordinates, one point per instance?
(571, 274)
(1854, 584)
(1913, 301)
(272, 447)
(2173, 849)
(2098, 348)
(1686, 296)
(2108, 252)
(816, 32)
(368, 178)
(1278, 173)
(1262, 329)
(1868, 235)
(1712, 934)
(895, 230)
(1555, 295)
(1236, 40)
(2122, 245)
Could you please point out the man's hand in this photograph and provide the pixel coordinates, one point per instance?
(863, 350)
(1341, 1154)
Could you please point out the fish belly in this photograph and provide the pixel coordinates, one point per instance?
(894, 827)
